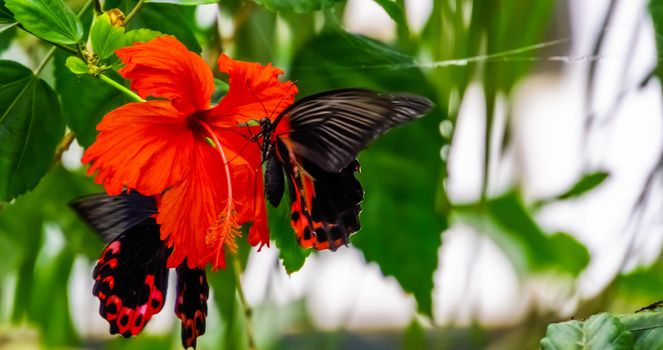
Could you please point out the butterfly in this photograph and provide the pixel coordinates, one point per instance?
(315, 152)
(131, 276)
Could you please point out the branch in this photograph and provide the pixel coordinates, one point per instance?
(245, 305)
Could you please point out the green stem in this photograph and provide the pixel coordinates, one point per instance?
(237, 267)
(44, 61)
(134, 11)
(120, 87)
(62, 147)
(488, 137)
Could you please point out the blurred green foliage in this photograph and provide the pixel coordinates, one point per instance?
(406, 207)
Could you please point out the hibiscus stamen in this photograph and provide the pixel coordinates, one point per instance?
(226, 229)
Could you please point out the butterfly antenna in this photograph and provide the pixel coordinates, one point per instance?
(278, 118)
(264, 109)
(246, 144)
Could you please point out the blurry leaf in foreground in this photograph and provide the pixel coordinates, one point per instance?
(298, 6)
(510, 225)
(393, 9)
(570, 255)
(602, 331)
(400, 229)
(641, 285)
(49, 202)
(49, 302)
(656, 12)
(51, 20)
(31, 126)
(6, 37)
(587, 183)
(7, 20)
(42, 265)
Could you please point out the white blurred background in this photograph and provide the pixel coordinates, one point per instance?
(475, 281)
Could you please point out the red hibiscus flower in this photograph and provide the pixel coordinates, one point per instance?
(196, 158)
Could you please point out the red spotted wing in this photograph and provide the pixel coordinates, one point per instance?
(131, 275)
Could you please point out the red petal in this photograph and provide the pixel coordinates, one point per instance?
(163, 67)
(255, 92)
(259, 231)
(247, 178)
(189, 209)
(143, 146)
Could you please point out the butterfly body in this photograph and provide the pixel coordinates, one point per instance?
(317, 154)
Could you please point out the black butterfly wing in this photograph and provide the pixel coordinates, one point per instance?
(111, 216)
(131, 276)
(191, 303)
(331, 127)
(324, 206)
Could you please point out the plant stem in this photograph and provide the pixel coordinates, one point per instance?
(134, 11)
(63, 146)
(45, 60)
(488, 138)
(120, 87)
(237, 267)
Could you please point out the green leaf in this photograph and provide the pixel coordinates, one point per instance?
(602, 331)
(170, 19)
(179, 21)
(400, 228)
(570, 255)
(85, 100)
(21, 220)
(641, 285)
(393, 9)
(51, 20)
(76, 65)
(656, 12)
(563, 336)
(298, 6)
(105, 37)
(7, 20)
(292, 255)
(31, 125)
(511, 226)
(139, 36)
(261, 24)
(650, 340)
(49, 302)
(8, 30)
(586, 184)
(184, 2)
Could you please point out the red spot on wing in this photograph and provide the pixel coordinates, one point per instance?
(191, 303)
(126, 308)
(312, 233)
